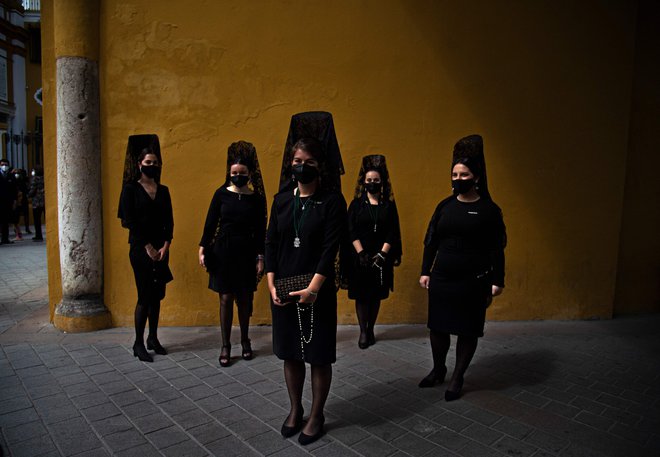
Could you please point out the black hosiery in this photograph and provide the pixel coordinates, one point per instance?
(294, 375)
(141, 314)
(466, 346)
(439, 347)
(226, 317)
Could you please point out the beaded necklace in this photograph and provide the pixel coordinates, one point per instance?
(373, 214)
(303, 340)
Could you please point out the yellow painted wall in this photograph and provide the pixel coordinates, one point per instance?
(548, 86)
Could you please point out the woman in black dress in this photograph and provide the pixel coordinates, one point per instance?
(145, 208)
(375, 234)
(463, 264)
(307, 221)
(234, 234)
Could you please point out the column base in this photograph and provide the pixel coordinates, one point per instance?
(77, 315)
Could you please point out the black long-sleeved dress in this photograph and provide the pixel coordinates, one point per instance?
(373, 225)
(240, 220)
(464, 256)
(320, 233)
(149, 221)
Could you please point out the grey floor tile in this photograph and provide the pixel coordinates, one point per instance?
(123, 440)
(167, 437)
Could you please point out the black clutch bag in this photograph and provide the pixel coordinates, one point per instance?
(291, 284)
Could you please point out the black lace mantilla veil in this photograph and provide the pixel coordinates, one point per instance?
(136, 143)
(246, 153)
(376, 162)
(318, 125)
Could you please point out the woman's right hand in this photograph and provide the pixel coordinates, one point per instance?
(273, 296)
(151, 252)
(201, 257)
(424, 281)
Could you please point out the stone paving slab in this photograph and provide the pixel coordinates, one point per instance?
(577, 388)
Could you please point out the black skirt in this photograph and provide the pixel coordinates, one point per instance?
(369, 283)
(150, 277)
(321, 350)
(236, 271)
(458, 305)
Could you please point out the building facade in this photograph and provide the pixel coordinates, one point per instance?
(563, 96)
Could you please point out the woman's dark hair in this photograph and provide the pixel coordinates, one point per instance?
(145, 152)
(38, 170)
(472, 164)
(311, 146)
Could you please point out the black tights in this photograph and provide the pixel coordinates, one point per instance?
(244, 305)
(465, 349)
(144, 311)
(367, 313)
(294, 374)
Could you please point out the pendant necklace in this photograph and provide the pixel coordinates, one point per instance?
(298, 220)
(374, 217)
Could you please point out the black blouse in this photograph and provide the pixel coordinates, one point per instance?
(241, 214)
(375, 225)
(465, 239)
(148, 220)
(320, 233)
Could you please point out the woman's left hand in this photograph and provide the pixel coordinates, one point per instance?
(306, 296)
(496, 290)
(162, 252)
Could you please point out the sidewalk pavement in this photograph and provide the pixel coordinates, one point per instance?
(577, 388)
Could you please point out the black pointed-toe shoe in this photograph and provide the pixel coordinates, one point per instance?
(288, 432)
(309, 439)
(433, 378)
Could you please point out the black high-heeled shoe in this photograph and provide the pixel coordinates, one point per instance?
(371, 338)
(246, 353)
(287, 431)
(433, 377)
(141, 353)
(225, 356)
(363, 341)
(451, 395)
(154, 344)
(305, 439)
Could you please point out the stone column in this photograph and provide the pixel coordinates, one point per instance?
(76, 26)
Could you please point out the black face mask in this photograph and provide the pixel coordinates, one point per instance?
(304, 173)
(373, 187)
(150, 171)
(462, 186)
(239, 180)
